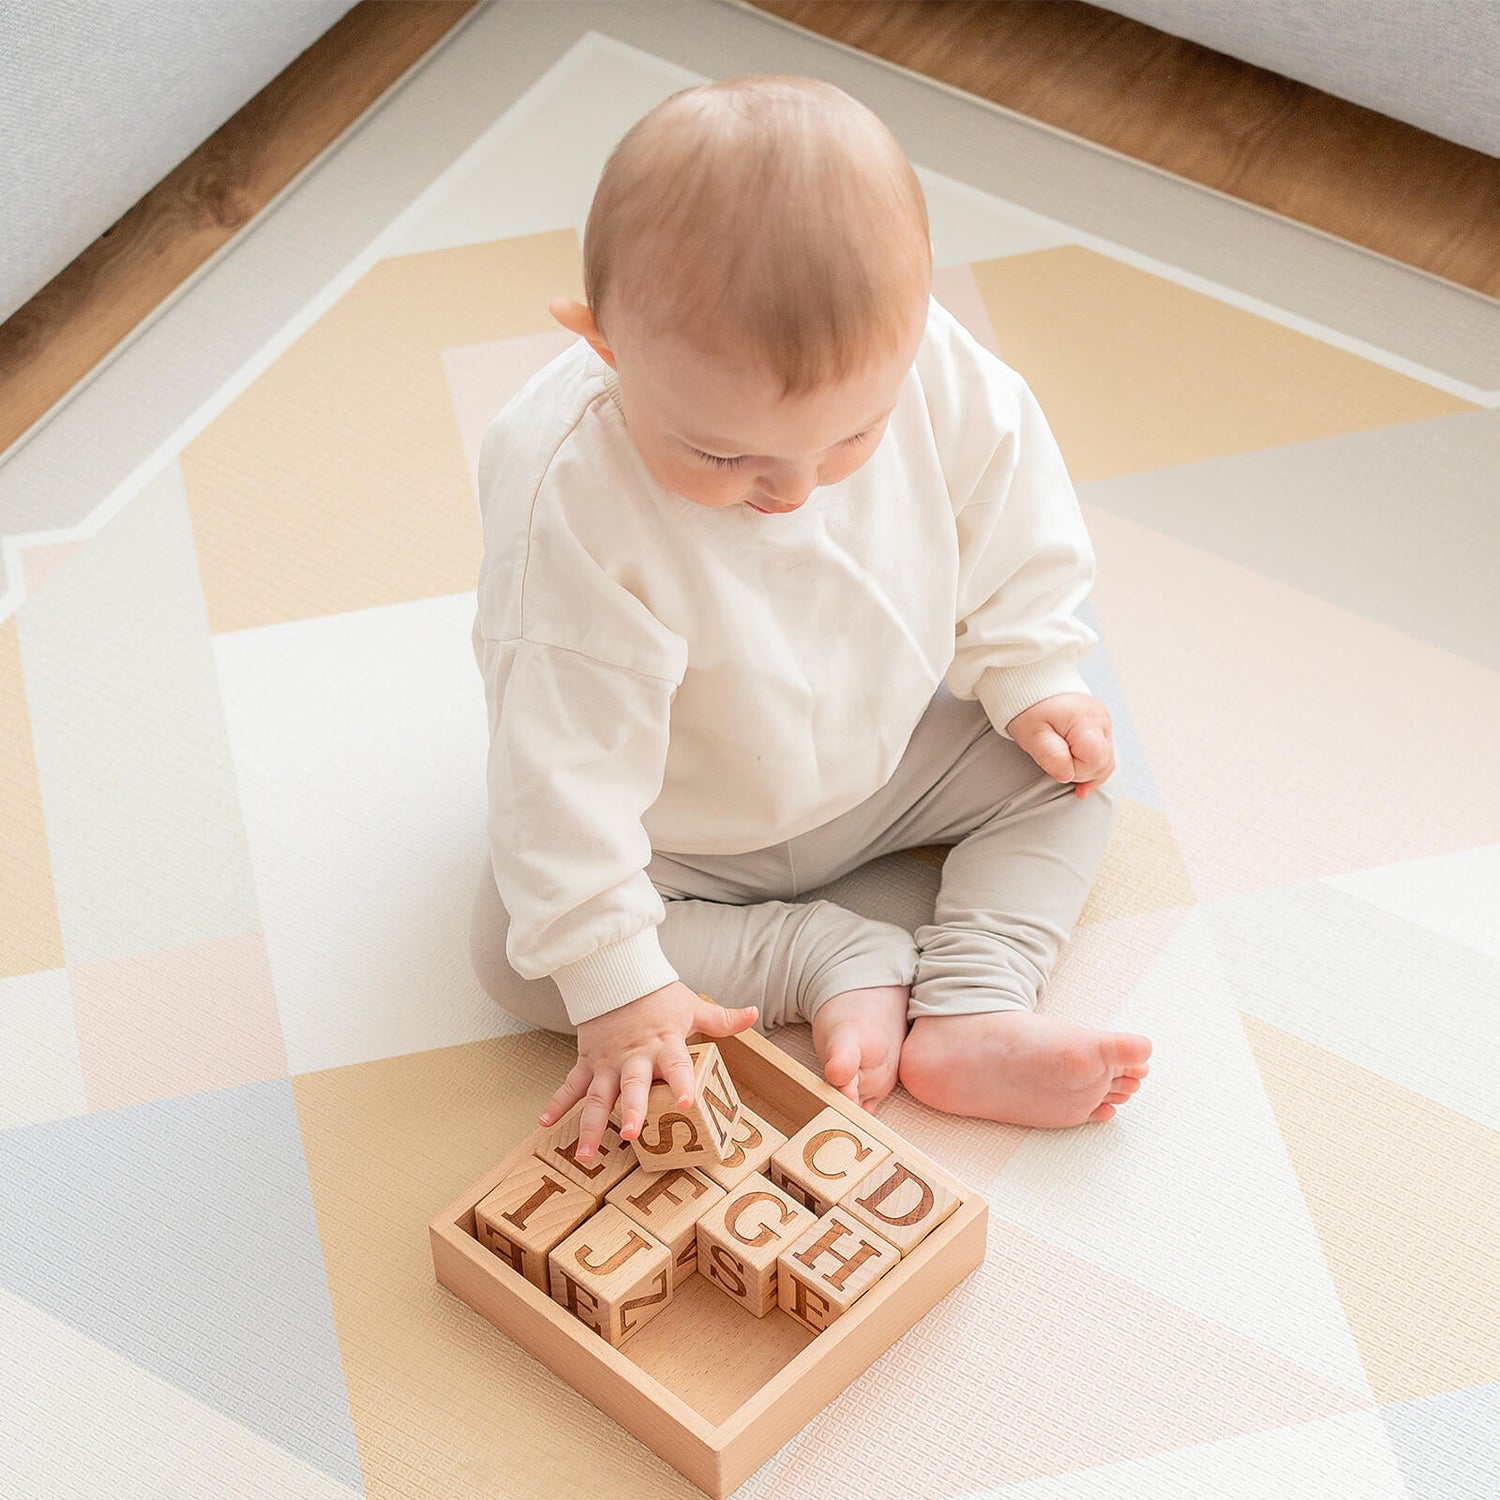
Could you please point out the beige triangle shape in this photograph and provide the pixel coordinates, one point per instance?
(1138, 372)
(1405, 1196)
(337, 480)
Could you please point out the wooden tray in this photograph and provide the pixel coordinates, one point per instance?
(712, 1389)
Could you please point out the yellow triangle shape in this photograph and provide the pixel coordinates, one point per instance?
(1405, 1196)
(1137, 372)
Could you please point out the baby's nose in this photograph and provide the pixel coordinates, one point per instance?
(788, 494)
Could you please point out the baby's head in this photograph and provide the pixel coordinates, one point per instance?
(756, 269)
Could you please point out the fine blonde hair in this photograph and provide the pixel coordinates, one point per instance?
(772, 219)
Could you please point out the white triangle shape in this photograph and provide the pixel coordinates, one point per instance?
(1370, 986)
(1456, 895)
(1189, 1190)
(77, 1419)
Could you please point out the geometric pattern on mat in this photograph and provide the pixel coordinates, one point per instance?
(241, 812)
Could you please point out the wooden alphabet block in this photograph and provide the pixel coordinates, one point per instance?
(825, 1159)
(824, 1272)
(693, 1137)
(899, 1203)
(611, 1274)
(750, 1147)
(740, 1238)
(557, 1147)
(528, 1213)
(669, 1205)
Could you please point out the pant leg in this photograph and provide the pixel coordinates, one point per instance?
(1025, 854)
(785, 957)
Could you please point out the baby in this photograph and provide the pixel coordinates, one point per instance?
(780, 572)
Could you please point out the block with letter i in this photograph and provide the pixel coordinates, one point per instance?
(611, 1274)
(899, 1203)
(668, 1205)
(740, 1238)
(528, 1213)
(825, 1159)
(823, 1273)
(692, 1137)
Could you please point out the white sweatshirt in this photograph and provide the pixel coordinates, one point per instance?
(664, 675)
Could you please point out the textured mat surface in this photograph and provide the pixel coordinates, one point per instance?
(241, 808)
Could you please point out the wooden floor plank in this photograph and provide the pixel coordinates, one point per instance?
(1194, 112)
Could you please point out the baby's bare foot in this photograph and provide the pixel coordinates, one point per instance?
(1021, 1068)
(858, 1035)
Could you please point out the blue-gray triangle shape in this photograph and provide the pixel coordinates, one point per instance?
(1448, 1446)
(181, 1234)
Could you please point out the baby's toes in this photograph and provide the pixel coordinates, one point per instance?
(841, 1066)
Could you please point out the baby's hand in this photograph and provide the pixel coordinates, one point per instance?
(1068, 736)
(622, 1051)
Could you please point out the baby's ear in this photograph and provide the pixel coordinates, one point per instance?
(577, 318)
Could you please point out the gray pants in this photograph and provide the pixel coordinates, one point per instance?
(789, 926)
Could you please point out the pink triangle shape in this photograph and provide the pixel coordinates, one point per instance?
(43, 559)
(1043, 1364)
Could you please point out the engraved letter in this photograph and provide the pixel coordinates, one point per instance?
(618, 1259)
(895, 1180)
(720, 1116)
(550, 1186)
(663, 1142)
(767, 1234)
(662, 1184)
(848, 1265)
(820, 1140)
(799, 1303)
(727, 1269)
(660, 1296)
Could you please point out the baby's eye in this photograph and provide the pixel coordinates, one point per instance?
(858, 437)
(721, 463)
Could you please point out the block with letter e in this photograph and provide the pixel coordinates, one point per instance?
(740, 1238)
(557, 1147)
(611, 1274)
(829, 1267)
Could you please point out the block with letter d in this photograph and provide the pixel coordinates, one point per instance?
(899, 1203)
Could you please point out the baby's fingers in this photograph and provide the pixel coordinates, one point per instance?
(573, 1089)
(713, 1019)
(603, 1092)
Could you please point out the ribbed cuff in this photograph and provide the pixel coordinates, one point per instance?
(1007, 691)
(614, 976)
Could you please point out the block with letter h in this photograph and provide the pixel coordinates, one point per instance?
(806, 1225)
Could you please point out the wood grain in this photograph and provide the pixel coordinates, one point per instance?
(1200, 114)
(1192, 111)
(52, 342)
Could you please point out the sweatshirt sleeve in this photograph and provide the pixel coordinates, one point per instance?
(1025, 560)
(577, 754)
